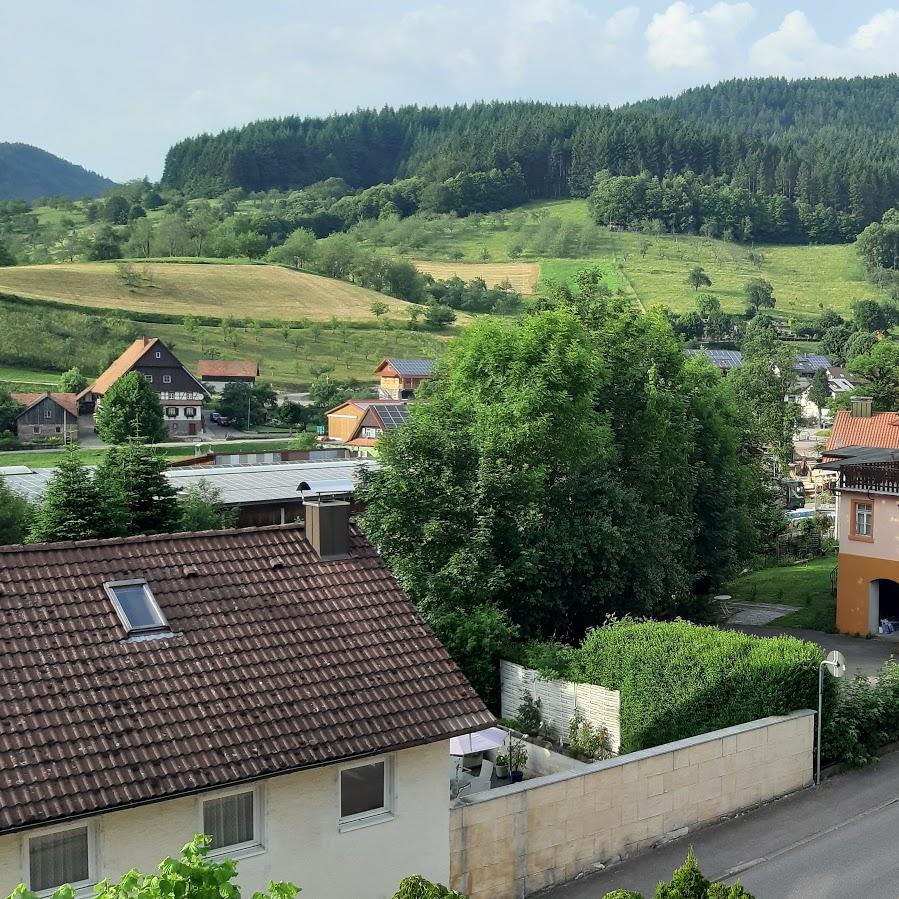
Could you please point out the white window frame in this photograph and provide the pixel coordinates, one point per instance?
(166, 379)
(864, 512)
(82, 887)
(256, 846)
(169, 412)
(190, 411)
(371, 433)
(110, 586)
(148, 379)
(159, 354)
(387, 812)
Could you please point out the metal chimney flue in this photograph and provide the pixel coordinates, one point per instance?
(861, 407)
(328, 528)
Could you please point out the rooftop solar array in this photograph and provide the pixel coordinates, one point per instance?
(423, 368)
(392, 414)
(721, 358)
(811, 362)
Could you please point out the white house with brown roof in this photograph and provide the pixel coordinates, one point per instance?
(216, 374)
(271, 687)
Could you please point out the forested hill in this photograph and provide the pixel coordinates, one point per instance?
(771, 105)
(28, 172)
(826, 142)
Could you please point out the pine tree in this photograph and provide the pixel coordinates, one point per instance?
(132, 477)
(72, 508)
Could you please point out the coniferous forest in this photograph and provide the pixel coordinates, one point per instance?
(814, 159)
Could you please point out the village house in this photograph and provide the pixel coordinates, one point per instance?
(180, 393)
(724, 360)
(359, 423)
(47, 415)
(216, 374)
(400, 378)
(273, 688)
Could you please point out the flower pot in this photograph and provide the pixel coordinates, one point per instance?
(502, 771)
(516, 776)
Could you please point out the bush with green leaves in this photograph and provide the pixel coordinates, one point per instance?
(529, 714)
(678, 679)
(416, 887)
(192, 876)
(688, 883)
(584, 738)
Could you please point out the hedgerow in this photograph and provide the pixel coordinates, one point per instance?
(678, 679)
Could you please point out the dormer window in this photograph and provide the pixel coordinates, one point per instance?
(136, 607)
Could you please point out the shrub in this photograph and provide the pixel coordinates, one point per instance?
(417, 887)
(678, 679)
(529, 714)
(585, 739)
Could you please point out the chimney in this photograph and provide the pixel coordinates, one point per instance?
(328, 528)
(861, 407)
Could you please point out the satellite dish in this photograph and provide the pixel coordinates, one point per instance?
(836, 663)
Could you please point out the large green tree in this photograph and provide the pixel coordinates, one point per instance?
(132, 478)
(240, 401)
(9, 409)
(72, 507)
(15, 515)
(880, 369)
(72, 381)
(200, 509)
(129, 410)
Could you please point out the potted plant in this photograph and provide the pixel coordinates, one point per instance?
(501, 765)
(518, 758)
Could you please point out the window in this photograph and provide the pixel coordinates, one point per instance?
(58, 429)
(166, 379)
(234, 820)
(48, 412)
(171, 411)
(190, 412)
(148, 379)
(158, 354)
(371, 433)
(60, 857)
(862, 521)
(37, 429)
(136, 606)
(366, 793)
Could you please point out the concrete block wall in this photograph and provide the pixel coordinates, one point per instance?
(514, 841)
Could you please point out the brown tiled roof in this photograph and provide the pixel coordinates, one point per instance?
(880, 430)
(121, 366)
(227, 368)
(278, 662)
(68, 401)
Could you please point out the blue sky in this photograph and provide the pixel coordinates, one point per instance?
(112, 85)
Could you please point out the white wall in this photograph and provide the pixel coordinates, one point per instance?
(301, 836)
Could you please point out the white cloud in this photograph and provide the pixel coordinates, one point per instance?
(796, 49)
(682, 38)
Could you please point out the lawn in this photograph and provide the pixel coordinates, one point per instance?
(238, 290)
(50, 458)
(806, 585)
(26, 378)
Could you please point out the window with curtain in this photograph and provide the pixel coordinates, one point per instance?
(58, 858)
(230, 820)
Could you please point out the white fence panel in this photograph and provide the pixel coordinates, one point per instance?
(559, 699)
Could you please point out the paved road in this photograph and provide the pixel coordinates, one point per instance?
(861, 654)
(834, 842)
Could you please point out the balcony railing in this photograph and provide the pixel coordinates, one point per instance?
(875, 477)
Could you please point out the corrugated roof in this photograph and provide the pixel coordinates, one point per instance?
(121, 366)
(881, 430)
(421, 368)
(68, 401)
(239, 484)
(278, 661)
(227, 368)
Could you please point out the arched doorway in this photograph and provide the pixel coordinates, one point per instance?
(883, 603)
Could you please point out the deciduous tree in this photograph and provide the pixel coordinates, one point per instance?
(130, 409)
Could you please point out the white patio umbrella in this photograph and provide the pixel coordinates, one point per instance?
(479, 741)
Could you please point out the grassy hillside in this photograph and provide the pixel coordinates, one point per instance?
(652, 268)
(523, 276)
(241, 291)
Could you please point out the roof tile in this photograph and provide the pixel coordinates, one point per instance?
(880, 430)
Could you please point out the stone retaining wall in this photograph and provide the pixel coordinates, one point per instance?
(514, 841)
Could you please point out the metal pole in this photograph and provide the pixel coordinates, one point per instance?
(820, 705)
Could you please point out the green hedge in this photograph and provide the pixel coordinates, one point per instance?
(678, 680)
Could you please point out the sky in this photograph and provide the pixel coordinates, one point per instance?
(112, 85)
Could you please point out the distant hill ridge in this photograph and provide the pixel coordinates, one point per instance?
(28, 172)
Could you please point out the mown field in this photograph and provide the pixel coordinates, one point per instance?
(241, 291)
(523, 276)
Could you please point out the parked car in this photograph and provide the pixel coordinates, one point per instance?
(215, 417)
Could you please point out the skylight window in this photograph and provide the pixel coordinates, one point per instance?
(136, 607)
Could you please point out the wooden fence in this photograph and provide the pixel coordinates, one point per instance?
(559, 700)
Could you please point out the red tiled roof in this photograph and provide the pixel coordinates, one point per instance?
(121, 366)
(68, 401)
(278, 661)
(880, 430)
(227, 368)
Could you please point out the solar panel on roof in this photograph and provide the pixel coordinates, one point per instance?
(420, 367)
(393, 415)
(721, 358)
